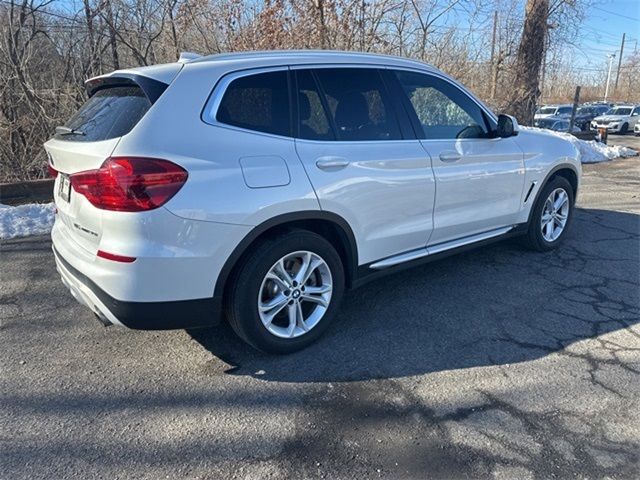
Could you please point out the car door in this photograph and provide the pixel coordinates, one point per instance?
(479, 179)
(364, 162)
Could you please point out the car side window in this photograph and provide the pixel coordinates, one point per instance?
(564, 110)
(443, 110)
(636, 111)
(257, 102)
(313, 123)
(358, 103)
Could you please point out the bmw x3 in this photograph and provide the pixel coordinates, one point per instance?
(259, 186)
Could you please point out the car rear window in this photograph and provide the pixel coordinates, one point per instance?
(111, 112)
(257, 102)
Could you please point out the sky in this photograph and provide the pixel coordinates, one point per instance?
(604, 24)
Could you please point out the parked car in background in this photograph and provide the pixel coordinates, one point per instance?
(259, 185)
(553, 111)
(586, 113)
(558, 124)
(620, 119)
(599, 103)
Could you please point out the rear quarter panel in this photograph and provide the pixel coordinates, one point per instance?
(217, 190)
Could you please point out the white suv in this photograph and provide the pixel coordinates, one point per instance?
(261, 185)
(620, 119)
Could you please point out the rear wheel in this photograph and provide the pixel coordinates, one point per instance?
(551, 215)
(286, 292)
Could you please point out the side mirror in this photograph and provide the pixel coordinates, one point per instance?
(507, 126)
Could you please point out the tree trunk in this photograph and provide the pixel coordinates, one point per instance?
(94, 66)
(112, 35)
(529, 61)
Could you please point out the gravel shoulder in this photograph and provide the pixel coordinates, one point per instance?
(498, 363)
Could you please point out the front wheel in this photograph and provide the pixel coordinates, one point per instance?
(624, 129)
(286, 291)
(551, 215)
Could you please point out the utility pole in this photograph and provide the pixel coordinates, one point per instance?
(615, 88)
(606, 89)
(493, 66)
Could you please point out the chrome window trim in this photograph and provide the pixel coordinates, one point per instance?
(317, 66)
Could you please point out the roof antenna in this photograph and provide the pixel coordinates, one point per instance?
(186, 57)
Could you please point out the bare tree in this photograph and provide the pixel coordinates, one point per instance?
(525, 91)
(48, 49)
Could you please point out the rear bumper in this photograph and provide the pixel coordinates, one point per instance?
(138, 315)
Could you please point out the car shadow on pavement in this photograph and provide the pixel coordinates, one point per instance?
(491, 306)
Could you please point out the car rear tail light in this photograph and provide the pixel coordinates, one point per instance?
(53, 173)
(130, 184)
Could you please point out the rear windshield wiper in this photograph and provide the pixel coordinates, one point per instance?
(62, 130)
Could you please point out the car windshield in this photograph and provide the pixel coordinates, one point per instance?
(585, 111)
(546, 110)
(619, 111)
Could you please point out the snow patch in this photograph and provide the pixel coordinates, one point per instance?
(25, 220)
(591, 151)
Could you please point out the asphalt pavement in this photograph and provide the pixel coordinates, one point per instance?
(498, 363)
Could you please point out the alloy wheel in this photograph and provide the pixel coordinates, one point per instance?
(555, 214)
(295, 294)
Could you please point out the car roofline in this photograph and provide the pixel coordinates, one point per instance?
(301, 57)
(166, 72)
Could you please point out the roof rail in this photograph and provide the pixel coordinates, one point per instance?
(186, 57)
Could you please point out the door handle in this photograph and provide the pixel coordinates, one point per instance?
(331, 163)
(450, 157)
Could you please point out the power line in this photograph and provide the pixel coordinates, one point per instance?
(602, 69)
(617, 14)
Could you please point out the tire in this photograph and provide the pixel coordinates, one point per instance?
(624, 129)
(250, 288)
(535, 239)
